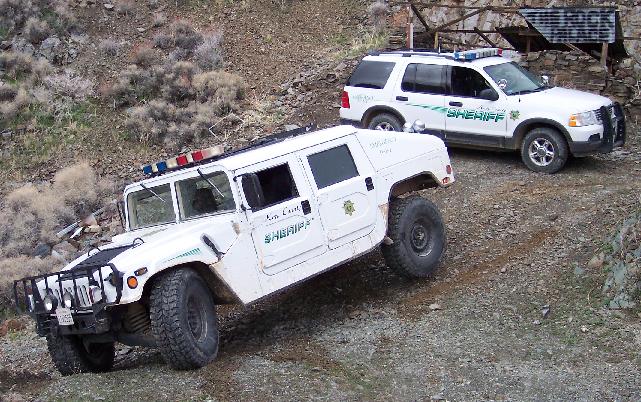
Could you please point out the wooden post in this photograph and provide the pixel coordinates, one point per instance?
(435, 40)
(408, 28)
(528, 44)
(604, 54)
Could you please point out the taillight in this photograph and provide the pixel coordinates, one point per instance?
(345, 100)
(448, 169)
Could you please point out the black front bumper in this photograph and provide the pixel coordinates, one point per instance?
(89, 317)
(614, 132)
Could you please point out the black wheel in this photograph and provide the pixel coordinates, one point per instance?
(544, 150)
(385, 122)
(70, 355)
(183, 319)
(418, 235)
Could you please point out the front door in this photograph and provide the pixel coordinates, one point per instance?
(420, 96)
(286, 228)
(470, 119)
(342, 179)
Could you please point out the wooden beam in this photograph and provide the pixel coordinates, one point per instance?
(604, 54)
(485, 38)
(457, 20)
(419, 15)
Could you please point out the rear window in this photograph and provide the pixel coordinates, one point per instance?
(371, 74)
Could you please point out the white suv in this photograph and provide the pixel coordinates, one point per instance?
(480, 99)
(209, 229)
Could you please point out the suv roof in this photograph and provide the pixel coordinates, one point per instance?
(483, 56)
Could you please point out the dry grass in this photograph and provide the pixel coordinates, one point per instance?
(378, 11)
(109, 47)
(208, 55)
(145, 56)
(35, 31)
(15, 268)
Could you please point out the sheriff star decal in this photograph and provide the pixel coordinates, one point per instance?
(348, 207)
(515, 114)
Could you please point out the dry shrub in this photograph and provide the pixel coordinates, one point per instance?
(70, 85)
(185, 36)
(35, 31)
(208, 55)
(109, 47)
(145, 56)
(223, 87)
(14, 14)
(124, 7)
(158, 20)
(31, 215)
(11, 108)
(7, 93)
(15, 268)
(378, 15)
(178, 55)
(163, 41)
(134, 83)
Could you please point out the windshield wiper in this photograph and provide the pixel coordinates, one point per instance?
(153, 193)
(210, 183)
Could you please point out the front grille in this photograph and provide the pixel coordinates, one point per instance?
(83, 295)
(611, 111)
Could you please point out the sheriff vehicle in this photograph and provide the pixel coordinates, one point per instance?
(208, 228)
(479, 99)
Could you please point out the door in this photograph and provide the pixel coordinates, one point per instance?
(471, 119)
(342, 179)
(285, 223)
(420, 96)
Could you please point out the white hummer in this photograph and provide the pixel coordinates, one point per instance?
(479, 99)
(209, 228)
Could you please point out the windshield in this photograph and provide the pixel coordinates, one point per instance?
(514, 79)
(150, 206)
(206, 194)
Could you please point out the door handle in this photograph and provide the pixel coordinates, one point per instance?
(456, 104)
(369, 184)
(402, 98)
(307, 208)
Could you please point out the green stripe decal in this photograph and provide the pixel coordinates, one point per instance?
(189, 253)
(440, 109)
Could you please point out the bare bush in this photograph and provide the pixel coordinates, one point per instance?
(208, 55)
(185, 36)
(14, 14)
(35, 31)
(32, 215)
(220, 86)
(158, 20)
(163, 41)
(178, 55)
(124, 7)
(7, 93)
(109, 47)
(145, 57)
(70, 85)
(12, 269)
(378, 15)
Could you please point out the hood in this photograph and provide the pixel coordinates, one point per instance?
(572, 100)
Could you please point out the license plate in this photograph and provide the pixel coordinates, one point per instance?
(64, 316)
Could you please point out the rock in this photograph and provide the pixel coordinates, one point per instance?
(435, 307)
(22, 46)
(596, 262)
(289, 127)
(536, 322)
(545, 311)
(553, 217)
(438, 397)
(66, 250)
(141, 30)
(51, 49)
(41, 250)
(503, 270)
(108, 6)
(584, 328)
(578, 271)
(93, 229)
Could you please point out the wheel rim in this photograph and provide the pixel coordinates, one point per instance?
(384, 126)
(196, 318)
(541, 152)
(420, 238)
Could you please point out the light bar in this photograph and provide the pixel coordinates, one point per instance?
(182, 160)
(477, 54)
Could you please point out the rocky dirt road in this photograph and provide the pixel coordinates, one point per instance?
(513, 314)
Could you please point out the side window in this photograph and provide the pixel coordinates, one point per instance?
(467, 82)
(150, 206)
(371, 74)
(277, 185)
(332, 166)
(424, 78)
(198, 196)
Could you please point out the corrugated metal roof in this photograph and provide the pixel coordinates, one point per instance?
(573, 25)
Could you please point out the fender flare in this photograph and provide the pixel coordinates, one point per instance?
(374, 110)
(525, 126)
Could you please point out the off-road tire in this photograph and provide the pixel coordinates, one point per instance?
(70, 356)
(418, 237)
(183, 319)
(385, 122)
(546, 138)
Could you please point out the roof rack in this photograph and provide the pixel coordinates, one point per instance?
(467, 55)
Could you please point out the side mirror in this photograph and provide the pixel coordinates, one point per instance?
(252, 190)
(489, 94)
(546, 80)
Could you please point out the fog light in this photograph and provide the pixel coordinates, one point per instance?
(95, 293)
(50, 303)
(67, 300)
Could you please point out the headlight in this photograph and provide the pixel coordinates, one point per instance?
(583, 119)
(95, 294)
(50, 303)
(67, 299)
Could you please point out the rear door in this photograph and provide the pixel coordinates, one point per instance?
(342, 180)
(470, 119)
(287, 230)
(420, 95)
